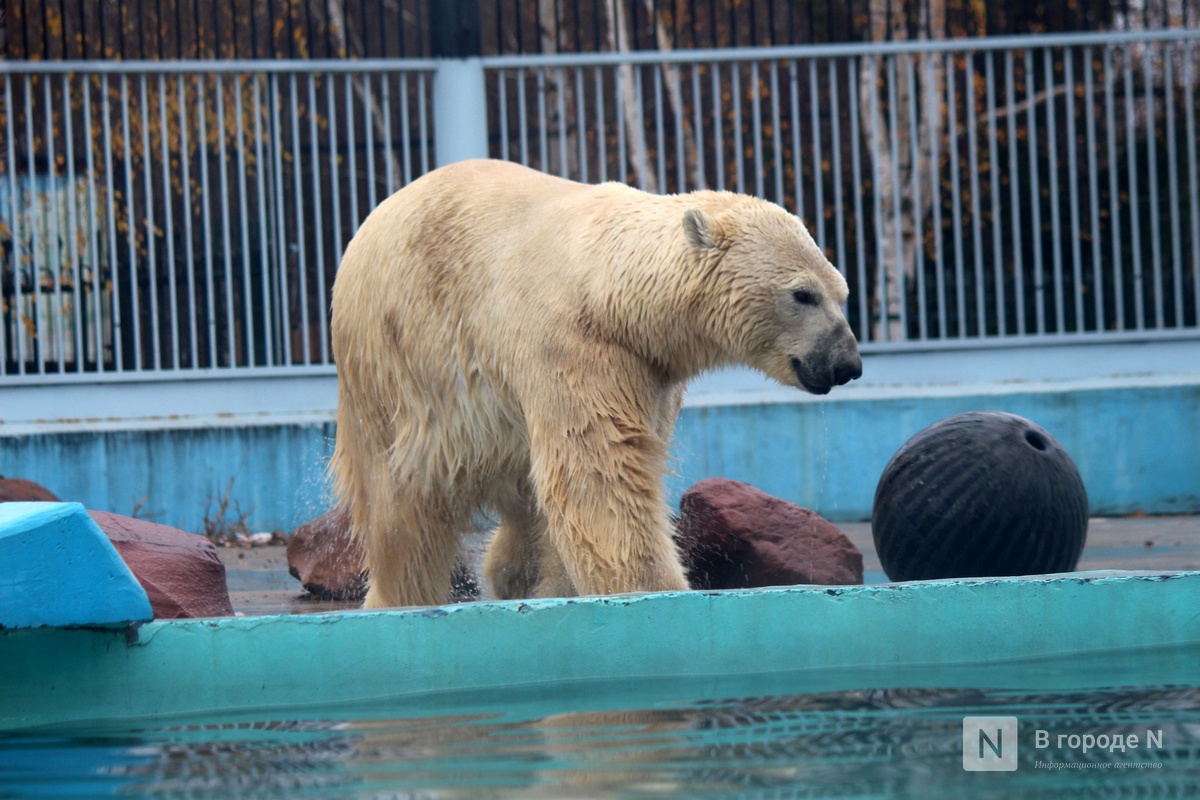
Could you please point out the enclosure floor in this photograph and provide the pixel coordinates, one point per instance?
(259, 582)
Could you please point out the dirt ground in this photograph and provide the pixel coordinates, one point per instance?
(259, 582)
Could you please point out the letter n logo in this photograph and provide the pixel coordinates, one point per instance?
(989, 744)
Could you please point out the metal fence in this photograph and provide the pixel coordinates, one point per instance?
(170, 217)
(1018, 188)
(173, 217)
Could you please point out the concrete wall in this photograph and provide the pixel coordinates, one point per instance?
(1135, 438)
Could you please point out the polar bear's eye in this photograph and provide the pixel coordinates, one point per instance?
(804, 297)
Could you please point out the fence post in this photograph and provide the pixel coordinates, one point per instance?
(459, 93)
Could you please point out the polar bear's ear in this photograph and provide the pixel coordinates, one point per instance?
(701, 230)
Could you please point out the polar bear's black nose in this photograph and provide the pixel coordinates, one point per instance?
(847, 371)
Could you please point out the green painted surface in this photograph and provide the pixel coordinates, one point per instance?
(837, 638)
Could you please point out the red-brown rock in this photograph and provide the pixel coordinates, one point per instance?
(20, 490)
(326, 559)
(734, 536)
(181, 572)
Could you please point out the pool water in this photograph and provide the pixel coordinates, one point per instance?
(600, 741)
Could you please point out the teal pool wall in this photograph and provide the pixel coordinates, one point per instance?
(1137, 447)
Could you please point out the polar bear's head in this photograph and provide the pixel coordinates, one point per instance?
(778, 303)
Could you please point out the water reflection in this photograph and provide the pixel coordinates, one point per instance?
(897, 743)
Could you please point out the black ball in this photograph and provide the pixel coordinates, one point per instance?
(983, 493)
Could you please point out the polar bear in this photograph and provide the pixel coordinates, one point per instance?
(519, 344)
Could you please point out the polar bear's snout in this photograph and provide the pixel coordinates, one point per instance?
(834, 361)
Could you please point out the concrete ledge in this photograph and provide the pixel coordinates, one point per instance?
(1021, 633)
(57, 568)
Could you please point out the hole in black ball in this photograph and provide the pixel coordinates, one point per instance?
(1036, 440)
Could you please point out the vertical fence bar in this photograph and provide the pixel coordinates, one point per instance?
(897, 210)
(960, 288)
(1014, 193)
(284, 331)
(738, 150)
(151, 260)
(335, 193)
(245, 217)
(54, 319)
(1193, 176)
(797, 153)
(37, 346)
(135, 288)
(676, 89)
(853, 71)
(368, 102)
(77, 301)
(423, 119)
(563, 127)
(298, 190)
(543, 141)
(642, 165)
(1135, 225)
(1173, 189)
(718, 144)
(996, 221)
(914, 131)
(502, 90)
(818, 169)
(836, 135)
(601, 144)
(523, 116)
(226, 226)
(264, 240)
(756, 122)
(622, 145)
(202, 145)
(976, 211)
(118, 355)
(93, 222)
(1035, 199)
(53, 268)
(1114, 196)
(1089, 114)
(169, 220)
(351, 154)
(698, 128)
(935, 194)
(406, 126)
(1076, 232)
(318, 224)
(15, 207)
(581, 125)
(1152, 179)
(881, 303)
(385, 83)
(1052, 169)
(185, 160)
(659, 132)
(776, 133)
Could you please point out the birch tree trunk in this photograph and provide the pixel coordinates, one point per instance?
(618, 42)
(335, 18)
(674, 94)
(889, 130)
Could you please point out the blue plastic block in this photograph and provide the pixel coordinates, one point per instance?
(57, 568)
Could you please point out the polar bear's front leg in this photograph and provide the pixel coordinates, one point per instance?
(598, 474)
